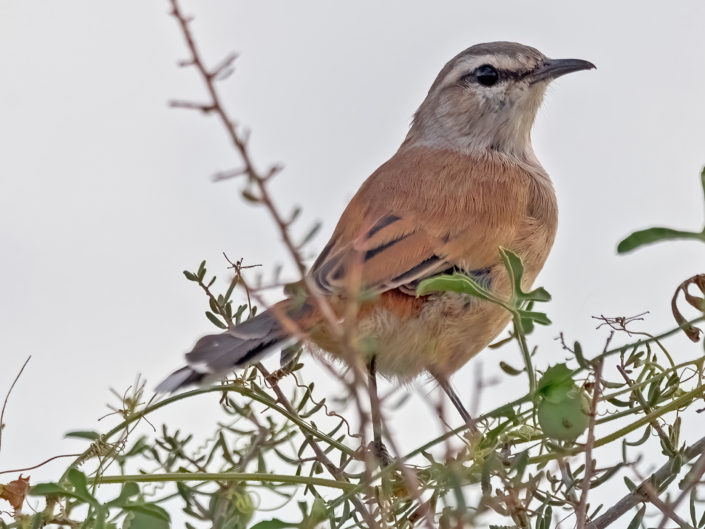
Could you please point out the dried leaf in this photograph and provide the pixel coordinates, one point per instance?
(15, 492)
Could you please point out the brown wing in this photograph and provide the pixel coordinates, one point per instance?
(392, 253)
(420, 214)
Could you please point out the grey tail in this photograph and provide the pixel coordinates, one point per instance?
(216, 354)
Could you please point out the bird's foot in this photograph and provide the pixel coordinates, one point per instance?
(380, 452)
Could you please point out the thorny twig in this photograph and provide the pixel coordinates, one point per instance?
(239, 141)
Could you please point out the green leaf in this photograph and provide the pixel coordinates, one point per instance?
(215, 321)
(579, 357)
(312, 232)
(556, 378)
(630, 484)
(636, 521)
(515, 268)
(140, 520)
(49, 489)
(652, 235)
(190, 276)
(129, 490)
(538, 294)
(250, 196)
(538, 317)
(201, 270)
(83, 434)
(149, 509)
(510, 370)
(645, 437)
(214, 305)
(80, 486)
(274, 523)
(456, 282)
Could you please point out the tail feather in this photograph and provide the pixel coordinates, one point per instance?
(216, 354)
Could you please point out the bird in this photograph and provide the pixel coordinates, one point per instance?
(464, 183)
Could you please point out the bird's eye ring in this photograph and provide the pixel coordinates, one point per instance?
(486, 75)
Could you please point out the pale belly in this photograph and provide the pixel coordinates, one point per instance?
(448, 331)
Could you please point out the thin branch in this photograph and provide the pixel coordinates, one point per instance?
(581, 510)
(227, 476)
(14, 471)
(640, 494)
(337, 473)
(7, 396)
(691, 479)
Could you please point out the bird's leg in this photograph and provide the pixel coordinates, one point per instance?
(444, 382)
(376, 446)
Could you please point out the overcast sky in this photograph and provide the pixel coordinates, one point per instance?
(105, 192)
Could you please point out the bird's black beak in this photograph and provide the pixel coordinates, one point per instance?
(556, 67)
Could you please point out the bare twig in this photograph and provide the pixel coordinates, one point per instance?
(7, 396)
(320, 454)
(639, 495)
(691, 479)
(581, 510)
(15, 470)
(259, 179)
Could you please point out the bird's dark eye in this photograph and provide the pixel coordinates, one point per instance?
(486, 75)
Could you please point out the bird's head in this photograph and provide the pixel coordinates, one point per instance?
(486, 98)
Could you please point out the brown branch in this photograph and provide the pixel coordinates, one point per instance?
(581, 511)
(7, 396)
(320, 454)
(667, 510)
(640, 494)
(692, 478)
(15, 470)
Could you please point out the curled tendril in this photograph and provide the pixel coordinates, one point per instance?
(693, 300)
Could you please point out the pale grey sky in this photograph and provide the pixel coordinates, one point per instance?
(105, 193)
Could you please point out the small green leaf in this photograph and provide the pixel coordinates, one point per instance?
(214, 305)
(515, 268)
(638, 517)
(129, 490)
(201, 271)
(556, 377)
(80, 486)
(190, 276)
(250, 196)
(312, 232)
(579, 357)
(83, 434)
(274, 523)
(539, 294)
(652, 235)
(215, 321)
(630, 484)
(456, 282)
(140, 520)
(538, 317)
(510, 370)
(149, 509)
(48, 489)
